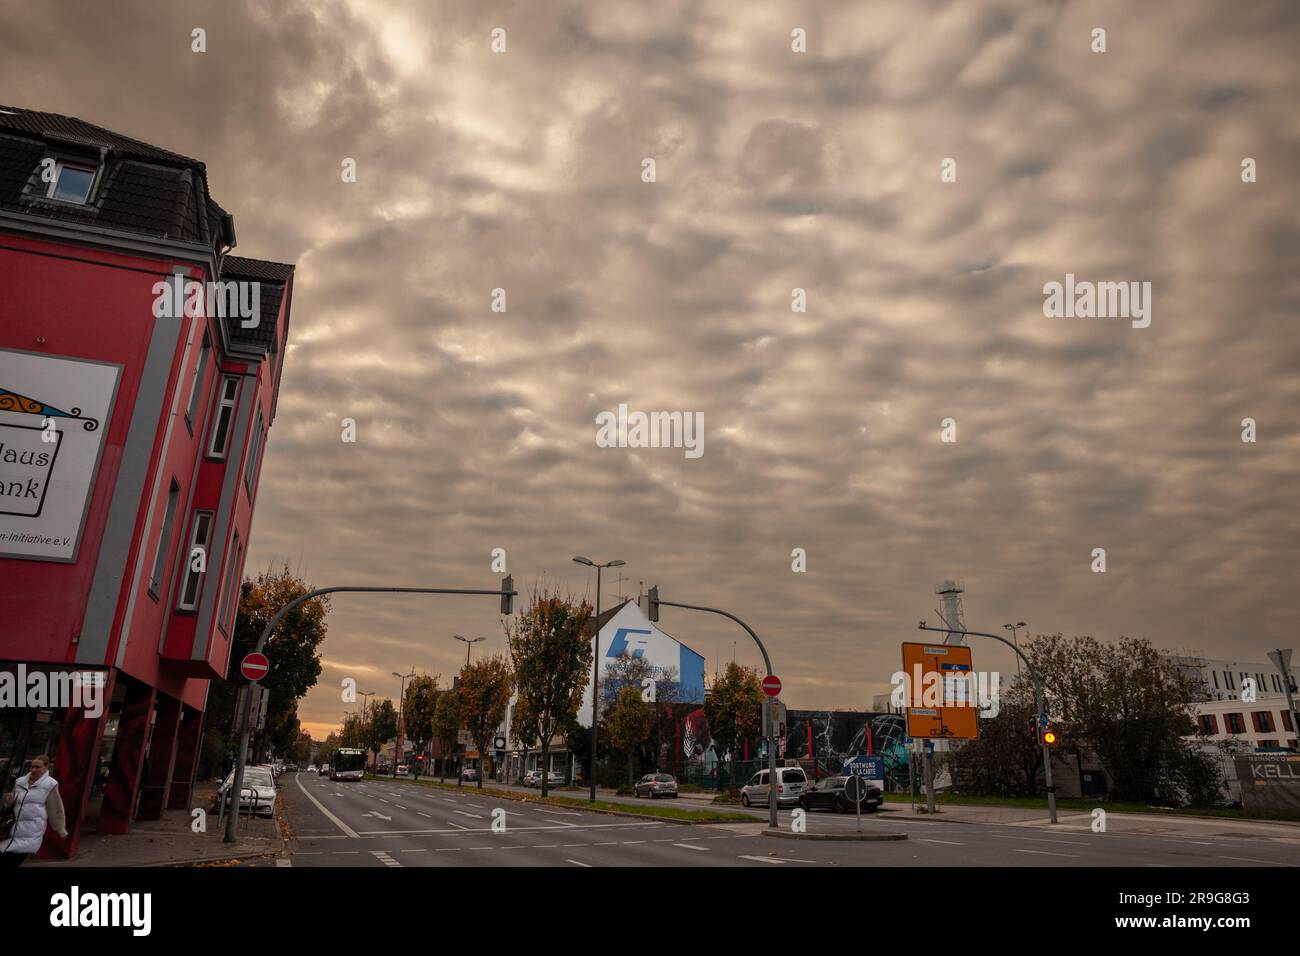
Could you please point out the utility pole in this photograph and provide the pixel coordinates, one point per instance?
(506, 592)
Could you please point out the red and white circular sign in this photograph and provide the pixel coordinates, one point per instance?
(771, 685)
(255, 666)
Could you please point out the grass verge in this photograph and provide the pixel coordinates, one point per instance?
(654, 809)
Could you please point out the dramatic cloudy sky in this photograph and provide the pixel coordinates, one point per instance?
(776, 170)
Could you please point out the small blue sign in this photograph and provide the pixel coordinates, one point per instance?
(1042, 719)
(872, 768)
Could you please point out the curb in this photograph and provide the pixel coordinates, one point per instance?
(856, 837)
(228, 858)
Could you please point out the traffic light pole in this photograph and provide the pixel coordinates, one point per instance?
(767, 662)
(506, 593)
(1038, 701)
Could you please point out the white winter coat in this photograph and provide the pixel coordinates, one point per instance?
(35, 804)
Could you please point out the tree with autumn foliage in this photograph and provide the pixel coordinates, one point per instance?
(293, 650)
(417, 715)
(550, 653)
(734, 710)
(484, 694)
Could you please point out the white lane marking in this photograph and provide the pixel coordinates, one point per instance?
(453, 823)
(416, 851)
(576, 863)
(949, 842)
(466, 813)
(762, 859)
(383, 857)
(321, 807)
(1073, 856)
(999, 836)
(283, 862)
(632, 842)
(376, 813)
(399, 806)
(423, 814)
(690, 846)
(478, 806)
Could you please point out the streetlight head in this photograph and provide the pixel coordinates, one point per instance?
(1020, 624)
(616, 564)
(395, 674)
(587, 561)
(459, 638)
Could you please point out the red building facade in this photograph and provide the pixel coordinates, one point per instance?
(132, 428)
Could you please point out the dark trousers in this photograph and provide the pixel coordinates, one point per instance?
(12, 859)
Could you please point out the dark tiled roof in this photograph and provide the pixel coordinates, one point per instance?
(272, 279)
(143, 188)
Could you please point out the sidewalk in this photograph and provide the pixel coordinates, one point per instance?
(171, 842)
(1146, 823)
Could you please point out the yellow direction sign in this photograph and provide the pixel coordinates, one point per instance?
(941, 693)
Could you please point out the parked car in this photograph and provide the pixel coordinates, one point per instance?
(656, 785)
(532, 778)
(828, 794)
(403, 770)
(469, 773)
(790, 782)
(258, 791)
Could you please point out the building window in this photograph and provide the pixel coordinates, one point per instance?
(1267, 744)
(1277, 685)
(1215, 675)
(1209, 725)
(1227, 681)
(254, 448)
(231, 594)
(199, 372)
(1263, 722)
(1286, 720)
(71, 183)
(160, 554)
(200, 537)
(225, 415)
(1236, 723)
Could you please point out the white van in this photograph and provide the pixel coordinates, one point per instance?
(790, 782)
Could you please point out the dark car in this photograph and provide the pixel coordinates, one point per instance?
(828, 794)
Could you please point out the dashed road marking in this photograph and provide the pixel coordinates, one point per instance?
(691, 846)
(383, 857)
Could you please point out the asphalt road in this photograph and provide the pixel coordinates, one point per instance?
(399, 824)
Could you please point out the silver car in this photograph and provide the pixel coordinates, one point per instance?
(790, 783)
(258, 792)
(654, 785)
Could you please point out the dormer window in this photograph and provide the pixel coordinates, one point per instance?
(71, 183)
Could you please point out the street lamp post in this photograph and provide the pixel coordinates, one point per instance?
(595, 659)
(1038, 700)
(468, 645)
(365, 719)
(1015, 641)
(401, 699)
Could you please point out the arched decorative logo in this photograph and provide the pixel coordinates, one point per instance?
(13, 402)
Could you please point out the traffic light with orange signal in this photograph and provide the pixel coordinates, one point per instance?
(1048, 736)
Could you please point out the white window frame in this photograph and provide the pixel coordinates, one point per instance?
(200, 370)
(59, 166)
(232, 586)
(160, 553)
(224, 406)
(254, 448)
(189, 574)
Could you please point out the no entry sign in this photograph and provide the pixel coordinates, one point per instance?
(255, 666)
(771, 685)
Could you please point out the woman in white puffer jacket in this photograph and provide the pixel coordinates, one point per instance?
(35, 801)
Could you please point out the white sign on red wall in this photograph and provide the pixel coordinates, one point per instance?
(53, 414)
